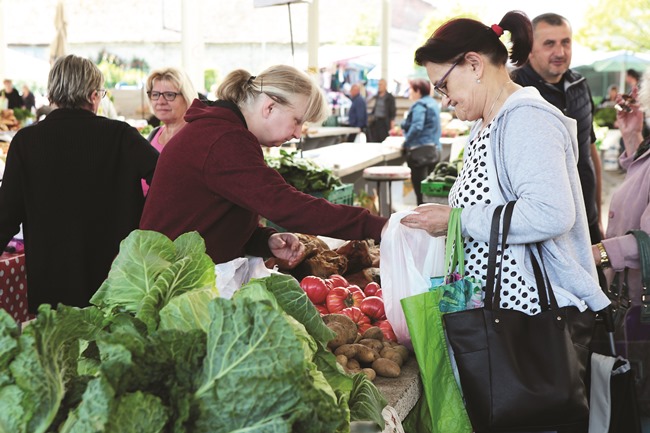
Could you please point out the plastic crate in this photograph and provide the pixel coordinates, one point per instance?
(343, 194)
(435, 189)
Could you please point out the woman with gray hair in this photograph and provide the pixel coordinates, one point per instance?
(212, 176)
(73, 182)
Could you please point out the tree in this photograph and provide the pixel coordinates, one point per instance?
(617, 25)
(430, 23)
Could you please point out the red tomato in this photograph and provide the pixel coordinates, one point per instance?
(357, 295)
(364, 327)
(371, 289)
(373, 307)
(380, 293)
(338, 298)
(338, 281)
(322, 309)
(357, 317)
(387, 329)
(315, 288)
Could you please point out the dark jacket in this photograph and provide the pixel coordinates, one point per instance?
(575, 102)
(74, 181)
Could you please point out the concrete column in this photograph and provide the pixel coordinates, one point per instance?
(192, 43)
(313, 37)
(3, 39)
(385, 37)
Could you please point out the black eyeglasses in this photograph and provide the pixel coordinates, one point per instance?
(101, 92)
(442, 84)
(169, 96)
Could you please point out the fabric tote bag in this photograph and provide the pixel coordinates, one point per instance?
(446, 410)
(521, 372)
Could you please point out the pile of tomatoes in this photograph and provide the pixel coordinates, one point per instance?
(365, 306)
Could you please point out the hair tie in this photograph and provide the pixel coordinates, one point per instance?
(497, 29)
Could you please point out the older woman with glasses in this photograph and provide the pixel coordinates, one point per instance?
(520, 148)
(73, 181)
(212, 176)
(170, 93)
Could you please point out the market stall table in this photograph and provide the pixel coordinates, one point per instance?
(322, 136)
(13, 285)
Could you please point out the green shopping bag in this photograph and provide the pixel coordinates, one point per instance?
(424, 320)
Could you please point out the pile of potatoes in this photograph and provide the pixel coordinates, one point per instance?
(369, 353)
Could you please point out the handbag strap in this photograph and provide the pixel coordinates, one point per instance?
(547, 298)
(454, 247)
(643, 241)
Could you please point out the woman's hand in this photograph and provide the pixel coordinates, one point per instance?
(287, 246)
(629, 119)
(433, 218)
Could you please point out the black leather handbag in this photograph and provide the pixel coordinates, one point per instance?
(521, 372)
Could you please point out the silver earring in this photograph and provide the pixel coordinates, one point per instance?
(478, 81)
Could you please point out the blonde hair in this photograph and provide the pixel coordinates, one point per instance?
(178, 78)
(280, 83)
(72, 81)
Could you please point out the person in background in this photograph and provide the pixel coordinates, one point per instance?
(629, 209)
(212, 177)
(382, 114)
(29, 101)
(13, 97)
(632, 78)
(548, 71)
(358, 113)
(107, 108)
(610, 99)
(73, 181)
(170, 93)
(520, 148)
(422, 132)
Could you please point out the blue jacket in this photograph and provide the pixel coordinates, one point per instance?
(358, 114)
(422, 124)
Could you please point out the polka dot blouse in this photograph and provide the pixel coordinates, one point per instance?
(472, 188)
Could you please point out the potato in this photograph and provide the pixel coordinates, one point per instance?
(349, 350)
(370, 373)
(342, 359)
(386, 368)
(372, 343)
(392, 354)
(365, 354)
(346, 330)
(359, 338)
(354, 365)
(402, 350)
(375, 333)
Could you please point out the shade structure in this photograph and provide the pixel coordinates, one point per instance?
(265, 3)
(58, 45)
(621, 62)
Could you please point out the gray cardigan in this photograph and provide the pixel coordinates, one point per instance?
(532, 158)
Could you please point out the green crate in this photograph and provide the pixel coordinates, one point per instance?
(435, 189)
(343, 194)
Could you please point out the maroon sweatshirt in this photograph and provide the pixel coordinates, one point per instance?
(212, 178)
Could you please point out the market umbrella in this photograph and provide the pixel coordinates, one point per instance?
(57, 47)
(621, 63)
(265, 3)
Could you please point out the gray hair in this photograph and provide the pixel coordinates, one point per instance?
(72, 81)
(280, 83)
(178, 78)
(552, 19)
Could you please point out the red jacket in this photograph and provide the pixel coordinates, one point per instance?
(212, 178)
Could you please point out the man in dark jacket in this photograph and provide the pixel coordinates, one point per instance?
(382, 114)
(548, 71)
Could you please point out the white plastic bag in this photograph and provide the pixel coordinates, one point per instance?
(409, 258)
(237, 272)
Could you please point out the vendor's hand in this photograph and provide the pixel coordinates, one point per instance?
(433, 218)
(287, 246)
(629, 122)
